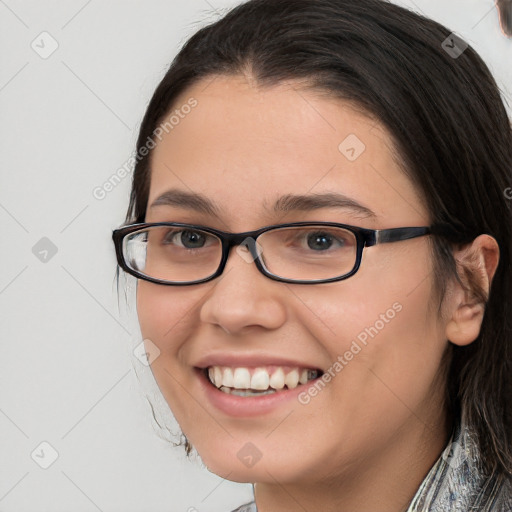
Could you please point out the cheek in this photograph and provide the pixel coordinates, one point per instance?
(166, 317)
(163, 313)
(384, 300)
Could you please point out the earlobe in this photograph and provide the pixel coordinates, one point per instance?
(464, 326)
(476, 264)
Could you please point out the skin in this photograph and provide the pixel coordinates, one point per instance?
(367, 440)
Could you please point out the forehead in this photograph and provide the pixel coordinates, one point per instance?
(244, 146)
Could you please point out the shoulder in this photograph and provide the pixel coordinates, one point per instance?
(504, 496)
(248, 507)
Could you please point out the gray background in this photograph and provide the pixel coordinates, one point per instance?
(68, 374)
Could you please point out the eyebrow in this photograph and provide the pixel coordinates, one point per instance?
(287, 203)
(309, 202)
(187, 200)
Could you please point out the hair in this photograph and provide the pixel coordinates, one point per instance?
(448, 123)
(505, 10)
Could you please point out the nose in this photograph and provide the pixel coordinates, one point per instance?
(242, 297)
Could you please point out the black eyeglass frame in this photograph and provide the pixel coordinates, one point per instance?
(364, 237)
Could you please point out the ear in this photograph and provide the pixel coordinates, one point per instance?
(476, 266)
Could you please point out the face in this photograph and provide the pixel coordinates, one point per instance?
(374, 336)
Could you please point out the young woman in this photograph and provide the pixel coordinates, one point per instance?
(320, 223)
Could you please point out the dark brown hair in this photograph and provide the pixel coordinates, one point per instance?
(505, 11)
(443, 109)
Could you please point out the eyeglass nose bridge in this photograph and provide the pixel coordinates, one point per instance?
(247, 247)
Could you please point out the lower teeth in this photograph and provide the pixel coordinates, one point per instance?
(246, 392)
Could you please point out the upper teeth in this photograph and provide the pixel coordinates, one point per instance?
(259, 378)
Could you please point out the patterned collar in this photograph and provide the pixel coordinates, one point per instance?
(456, 483)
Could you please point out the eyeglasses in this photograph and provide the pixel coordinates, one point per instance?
(173, 253)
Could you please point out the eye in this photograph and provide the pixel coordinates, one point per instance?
(323, 240)
(320, 241)
(186, 238)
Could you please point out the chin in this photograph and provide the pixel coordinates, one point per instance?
(230, 464)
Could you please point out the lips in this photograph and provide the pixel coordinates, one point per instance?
(248, 403)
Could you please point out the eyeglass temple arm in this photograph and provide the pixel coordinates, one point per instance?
(382, 236)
